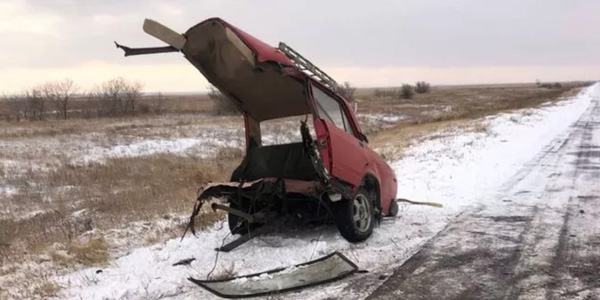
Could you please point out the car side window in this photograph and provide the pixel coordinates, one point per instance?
(330, 110)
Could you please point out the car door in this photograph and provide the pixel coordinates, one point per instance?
(343, 152)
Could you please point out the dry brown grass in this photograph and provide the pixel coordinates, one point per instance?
(46, 289)
(115, 193)
(143, 186)
(93, 252)
(60, 128)
(400, 137)
(32, 285)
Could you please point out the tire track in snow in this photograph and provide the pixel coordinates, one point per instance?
(577, 261)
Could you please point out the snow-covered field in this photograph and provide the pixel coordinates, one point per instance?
(43, 152)
(456, 168)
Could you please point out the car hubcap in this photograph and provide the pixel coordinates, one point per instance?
(361, 216)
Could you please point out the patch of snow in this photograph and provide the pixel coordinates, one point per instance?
(149, 147)
(79, 212)
(389, 118)
(201, 147)
(31, 214)
(383, 120)
(8, 190)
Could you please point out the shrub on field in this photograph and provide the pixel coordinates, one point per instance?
(548, 85)
(13, 107)
(59, 93)
(34, 104)
(119, 97)
(347, 91)
(158, 103)
(31, 104)
(224, 105)
(95, 104)
(132, 93)
(406, 91)
(422, 87)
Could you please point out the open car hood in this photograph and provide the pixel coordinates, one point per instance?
(253, 74)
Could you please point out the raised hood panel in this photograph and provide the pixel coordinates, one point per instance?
(246, 69)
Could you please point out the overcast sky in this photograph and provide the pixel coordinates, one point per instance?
(369, 43)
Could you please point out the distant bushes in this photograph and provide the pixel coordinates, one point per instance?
(422, 87)
(548, 85)
(116, 97)
(59, 93)
(406, 91)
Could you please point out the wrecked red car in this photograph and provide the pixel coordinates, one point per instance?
(332, 174)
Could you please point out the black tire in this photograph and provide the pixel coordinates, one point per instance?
(350, 215)
(393, 208)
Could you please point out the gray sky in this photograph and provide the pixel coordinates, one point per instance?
(370, 43)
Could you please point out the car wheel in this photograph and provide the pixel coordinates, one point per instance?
(393, 208)
(354, 217)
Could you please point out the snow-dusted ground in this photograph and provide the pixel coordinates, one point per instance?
(43, 152)
(458, 169)
(8, 190)
(382, 120)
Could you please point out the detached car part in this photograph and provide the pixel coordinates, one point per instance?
(325, 269)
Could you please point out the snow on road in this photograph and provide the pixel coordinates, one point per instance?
(458, 169)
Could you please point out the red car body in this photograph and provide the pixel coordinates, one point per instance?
(332, 168)
(345, 155)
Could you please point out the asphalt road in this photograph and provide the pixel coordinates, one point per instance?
(538, 239)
